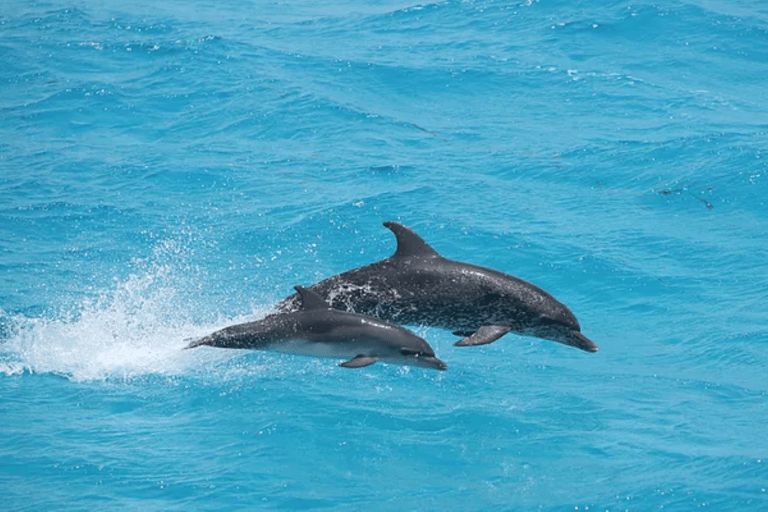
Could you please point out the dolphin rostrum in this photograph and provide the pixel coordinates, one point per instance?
(316, 329)
(417, 286)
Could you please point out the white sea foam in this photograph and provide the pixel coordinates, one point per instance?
(137, 329)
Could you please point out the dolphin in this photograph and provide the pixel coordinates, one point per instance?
(316, 329)
(417, 286)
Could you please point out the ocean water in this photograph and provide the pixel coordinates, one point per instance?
(171, 168)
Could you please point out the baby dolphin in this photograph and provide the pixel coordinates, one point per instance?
(316, 329)
(417, 286)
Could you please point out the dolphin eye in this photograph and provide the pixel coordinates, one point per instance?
(410, 352)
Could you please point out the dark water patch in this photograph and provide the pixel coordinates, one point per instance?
(681, 191)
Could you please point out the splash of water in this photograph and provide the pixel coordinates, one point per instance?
(137, 329)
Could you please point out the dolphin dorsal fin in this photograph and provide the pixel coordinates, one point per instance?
(310, 299)
(410, 244)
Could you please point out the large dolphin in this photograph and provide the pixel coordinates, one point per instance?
(316, 329)
(417, 286)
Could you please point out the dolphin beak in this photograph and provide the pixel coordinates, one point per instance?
(578, 340)
(433, 362)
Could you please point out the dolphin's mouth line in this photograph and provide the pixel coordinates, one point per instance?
(583, 342)
(565, 335)
(440, 365)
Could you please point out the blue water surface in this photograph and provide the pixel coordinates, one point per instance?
(171, 168)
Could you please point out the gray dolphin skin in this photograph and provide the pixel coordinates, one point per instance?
(417, 286)
(316, 329)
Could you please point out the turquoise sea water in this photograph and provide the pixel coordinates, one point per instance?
(167, 169)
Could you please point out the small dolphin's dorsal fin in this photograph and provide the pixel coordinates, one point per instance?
(310, 299)
(410, 244)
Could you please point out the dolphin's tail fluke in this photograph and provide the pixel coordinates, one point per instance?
(197, 343)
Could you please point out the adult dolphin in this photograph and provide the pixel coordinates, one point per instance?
(316, 329)
(417, 286)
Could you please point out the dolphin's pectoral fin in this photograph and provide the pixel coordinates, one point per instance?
(359, 362)
(484, 335)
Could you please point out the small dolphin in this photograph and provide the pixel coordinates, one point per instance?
(417, 286)
(316, 329)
